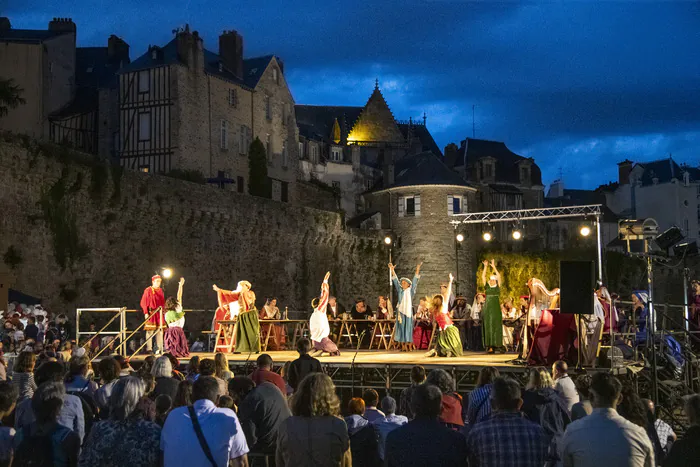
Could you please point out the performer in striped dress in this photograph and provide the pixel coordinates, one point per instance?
(319, 329)
(405, 290)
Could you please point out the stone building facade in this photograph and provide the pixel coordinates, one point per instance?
(184, 107)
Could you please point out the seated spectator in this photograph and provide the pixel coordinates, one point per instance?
(193, 369)
(109, 375)
(314, 434)
(222, 370)
(686, 451)
(371, 412)
(604, 437)
(207, 367)
(634, 410)
(66, 350)
(175, 365)
(303, 365)
(146, 407)
(30, 444)
(388, 423)
(146, 366)
(264, 374)
(451, 414)
(425, 441)
(262, 410)
(479, 407)
(162, 371)
(125, 368)
(583, 407)
(23, 375)
(664, 432)
(77, 380)
(564, 385)
(226, 402)
(71, 414)
(138, 440)
(198, 345)
(506, 437)
(363, 438)
(8, 400)
(223, 442)
(417, 378)
(183, 396)
(163, 405)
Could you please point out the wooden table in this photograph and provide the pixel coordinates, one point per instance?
(382, 329)
(300, 325)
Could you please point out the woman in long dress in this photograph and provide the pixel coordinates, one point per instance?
(174, 338)
(492, 320)
(423, 330)
(405, 290)
(448, 343)
(319, 329)
(474, 323)
(242, 308)
(277, 337)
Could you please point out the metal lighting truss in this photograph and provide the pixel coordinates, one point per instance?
(593, 210)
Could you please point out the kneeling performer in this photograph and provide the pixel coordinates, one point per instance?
(319, 329)
(448, 342)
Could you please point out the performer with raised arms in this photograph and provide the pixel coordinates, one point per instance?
(175, 340)
(491, 318)
(152, 299)
(448, 343)
(319, 329)
(241, 307)
(406, 290)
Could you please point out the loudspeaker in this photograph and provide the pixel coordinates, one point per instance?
(576, 283)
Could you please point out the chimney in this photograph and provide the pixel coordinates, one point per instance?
(62, 25)
(117, 50)
(231, 52)
(5, 24)
(190, 48)
(386, 156)
(624, 169)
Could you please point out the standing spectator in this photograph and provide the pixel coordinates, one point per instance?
(314, 434)
(163, 405)
(507, 438)
(207, 367)
(261, 411)
(123, 439)
(46, 441)
(604, 437)
(564, 385)
(363, 437)
(8, 400)
(222, 369)
(479, 407)
(583, 407)
(220, 442)
(162, 371)
(109, 374)
(77, 380)
(371, 411)
(23, 375)
(71, 414)
(264, 374)
(686, 451)
(183, 396)
(65, 329)
(417, 378)
(389, 423)
(31, 331)
(303, 365)
(424, 441)
(193, 369)
(664, 431)
(41, 325)
(451, 413)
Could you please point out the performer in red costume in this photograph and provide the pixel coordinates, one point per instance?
(151, 300)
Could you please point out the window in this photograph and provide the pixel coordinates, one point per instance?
(335, 185)
(275, 76)
(369, 184)
(268, 147)
(336, 154)
(686, 226)
(409, 206)
(268, 108)
(455, 205)
(240, 184)
(144, 168)
(144, 82)
(488, 170)
(244, 140)
(285, 192)
(144, 126)
(301, 150)
(233, 97)
(224, 134)
(285, 156)
(524, 175)
(314, 153)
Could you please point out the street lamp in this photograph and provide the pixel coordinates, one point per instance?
(389, 243)
(167, 273)
(585, 230)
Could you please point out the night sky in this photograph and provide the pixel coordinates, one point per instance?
(577, 86)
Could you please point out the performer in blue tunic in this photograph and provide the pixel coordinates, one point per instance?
(405, 289)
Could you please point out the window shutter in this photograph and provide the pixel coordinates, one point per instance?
(450, 205)
(402, 202)
(417, 201)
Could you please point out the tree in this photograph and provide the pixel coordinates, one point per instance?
(10, 96)
(258, 182)
(451, 153)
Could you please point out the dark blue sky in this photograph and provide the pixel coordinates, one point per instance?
(577, 86)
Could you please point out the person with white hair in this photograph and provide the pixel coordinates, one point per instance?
(388, 423)
(138, 440)
(162, 371)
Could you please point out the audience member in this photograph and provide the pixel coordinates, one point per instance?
(451, 413)
(564, 385)
(162, 371)
(583, 407)
(220, 442)
(125, 368)
(183, 396)
(388, 423)
(371, 412)
(264, 373)
(363, 438)
(46, 441)
(146, 365)
(146, 407)
(8, 400)
(417, 378)
(262, 410)
(175, 365)
(109, 375)
(506, 438)
(163, 405)
(686, 451)
(31, 331)
(138, 440)
(226, 402)
(664, 432)
(23, 375)
(222, 369)
(604, 437)
(424, 441)
(479, 407)
(314, 434)
(303, 365)
(77, 380)
(207, 367)
(193, 369)
(636, 411)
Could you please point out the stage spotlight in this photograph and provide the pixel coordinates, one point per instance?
(460, 237)
(167, 273)
(517, 235)
(487, 236)
(585, 230)
(387, 240)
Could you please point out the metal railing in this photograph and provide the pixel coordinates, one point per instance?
(120, 334)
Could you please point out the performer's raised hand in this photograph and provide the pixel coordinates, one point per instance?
(216, 288)
(327, 276)
(452, 278)
(493, 263)
(486, 263)
(391, 266)
(182, 282)
(418, 268)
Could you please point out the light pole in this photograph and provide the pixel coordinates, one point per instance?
(459, 238)
(389, 243)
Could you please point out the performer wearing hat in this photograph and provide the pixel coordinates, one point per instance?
(319, 329)
(152, 299)
(241, 306)
(406, 290)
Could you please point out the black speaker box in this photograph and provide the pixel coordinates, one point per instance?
(576, 284)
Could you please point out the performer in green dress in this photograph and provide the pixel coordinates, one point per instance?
(242, 309)
(491, 317)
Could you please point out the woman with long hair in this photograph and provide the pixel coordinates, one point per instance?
(23, 375)
(174, 338)
(491, 317)
(193, 369)
(183, 396)
(221, 367)
(423, 330)
(479, 407)
(270, 311)
(314, 434)
(448, 343)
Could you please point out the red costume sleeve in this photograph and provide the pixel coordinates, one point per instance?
(325, 293)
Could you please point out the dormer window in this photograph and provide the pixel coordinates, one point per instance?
(275, 76)
(524, 174)
(154, 54)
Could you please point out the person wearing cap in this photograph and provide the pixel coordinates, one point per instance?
(405, 290)
(152, 299)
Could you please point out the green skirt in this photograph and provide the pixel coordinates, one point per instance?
(248, 332)
(449, 341)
